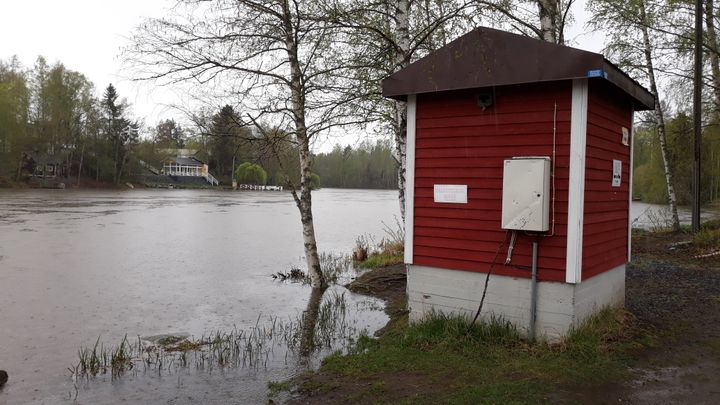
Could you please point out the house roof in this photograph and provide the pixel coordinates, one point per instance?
(487, 57)
(185, 160)
(178, 151)
(47, 159)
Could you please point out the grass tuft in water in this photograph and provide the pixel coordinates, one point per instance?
(100, 360)
(295, 275)
(276, 387)
(275, 340)
(336, 268)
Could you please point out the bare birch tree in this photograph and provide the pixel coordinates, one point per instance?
(633, 43)
(543, 19)
(276, 57)
(385, 36)
(713, 53)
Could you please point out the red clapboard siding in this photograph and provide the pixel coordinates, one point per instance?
(459, 143)
(478, 235)
(486, 122)
(606, 207)
(518, 129)
(497, 152)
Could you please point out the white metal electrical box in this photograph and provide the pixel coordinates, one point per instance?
(526, 194)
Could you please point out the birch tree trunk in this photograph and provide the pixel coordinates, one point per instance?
(401, 151)
(402, 57)
(121, 167)
(304, 200)
(659, 119)
(711, 38)
(97, 159)
(549, 14)
(116, 163)
(82, 157)
(309, 322)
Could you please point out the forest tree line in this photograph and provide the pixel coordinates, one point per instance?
(54, 112)
(649, 183)
(51, 110)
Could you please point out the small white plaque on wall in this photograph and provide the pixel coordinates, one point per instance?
(617, 173)
(450, 193)
(625, 136)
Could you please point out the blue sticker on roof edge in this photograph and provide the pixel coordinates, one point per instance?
(597, 73)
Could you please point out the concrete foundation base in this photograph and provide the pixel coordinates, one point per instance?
(560, 306)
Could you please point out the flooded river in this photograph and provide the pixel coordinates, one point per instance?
(78, 265)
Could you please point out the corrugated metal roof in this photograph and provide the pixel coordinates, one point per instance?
(487, 57)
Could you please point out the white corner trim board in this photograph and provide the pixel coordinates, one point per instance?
(410, 177)
(630, 185)
(576, 190)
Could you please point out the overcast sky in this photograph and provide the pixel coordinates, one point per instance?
(87, 35)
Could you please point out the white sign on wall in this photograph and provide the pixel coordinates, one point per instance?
(450, 193)
(617, 173)
(625, 136)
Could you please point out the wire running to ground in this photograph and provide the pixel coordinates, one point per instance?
(487, 278)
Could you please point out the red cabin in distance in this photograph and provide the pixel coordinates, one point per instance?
(474, 105)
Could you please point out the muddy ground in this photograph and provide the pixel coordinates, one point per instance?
(675, 296)
(675, 299)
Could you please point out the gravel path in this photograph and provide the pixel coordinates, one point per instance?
(680, 304)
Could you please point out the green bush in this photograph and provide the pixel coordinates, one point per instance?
(314, 181)
(251, 173)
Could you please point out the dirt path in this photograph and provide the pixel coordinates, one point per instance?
(678, 304)
(682, 304)
(675, 297)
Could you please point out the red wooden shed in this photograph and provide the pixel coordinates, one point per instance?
(511, 135)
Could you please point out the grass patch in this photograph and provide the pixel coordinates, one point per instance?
(482, 363)
(276, 387)
(390, 251)
(387, 253)
(708, 236)
(381, 259)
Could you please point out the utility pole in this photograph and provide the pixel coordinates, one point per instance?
(697, 118)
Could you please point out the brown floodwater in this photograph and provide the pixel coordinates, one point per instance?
(76, 266)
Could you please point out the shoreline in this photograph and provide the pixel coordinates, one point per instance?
(664, 346)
